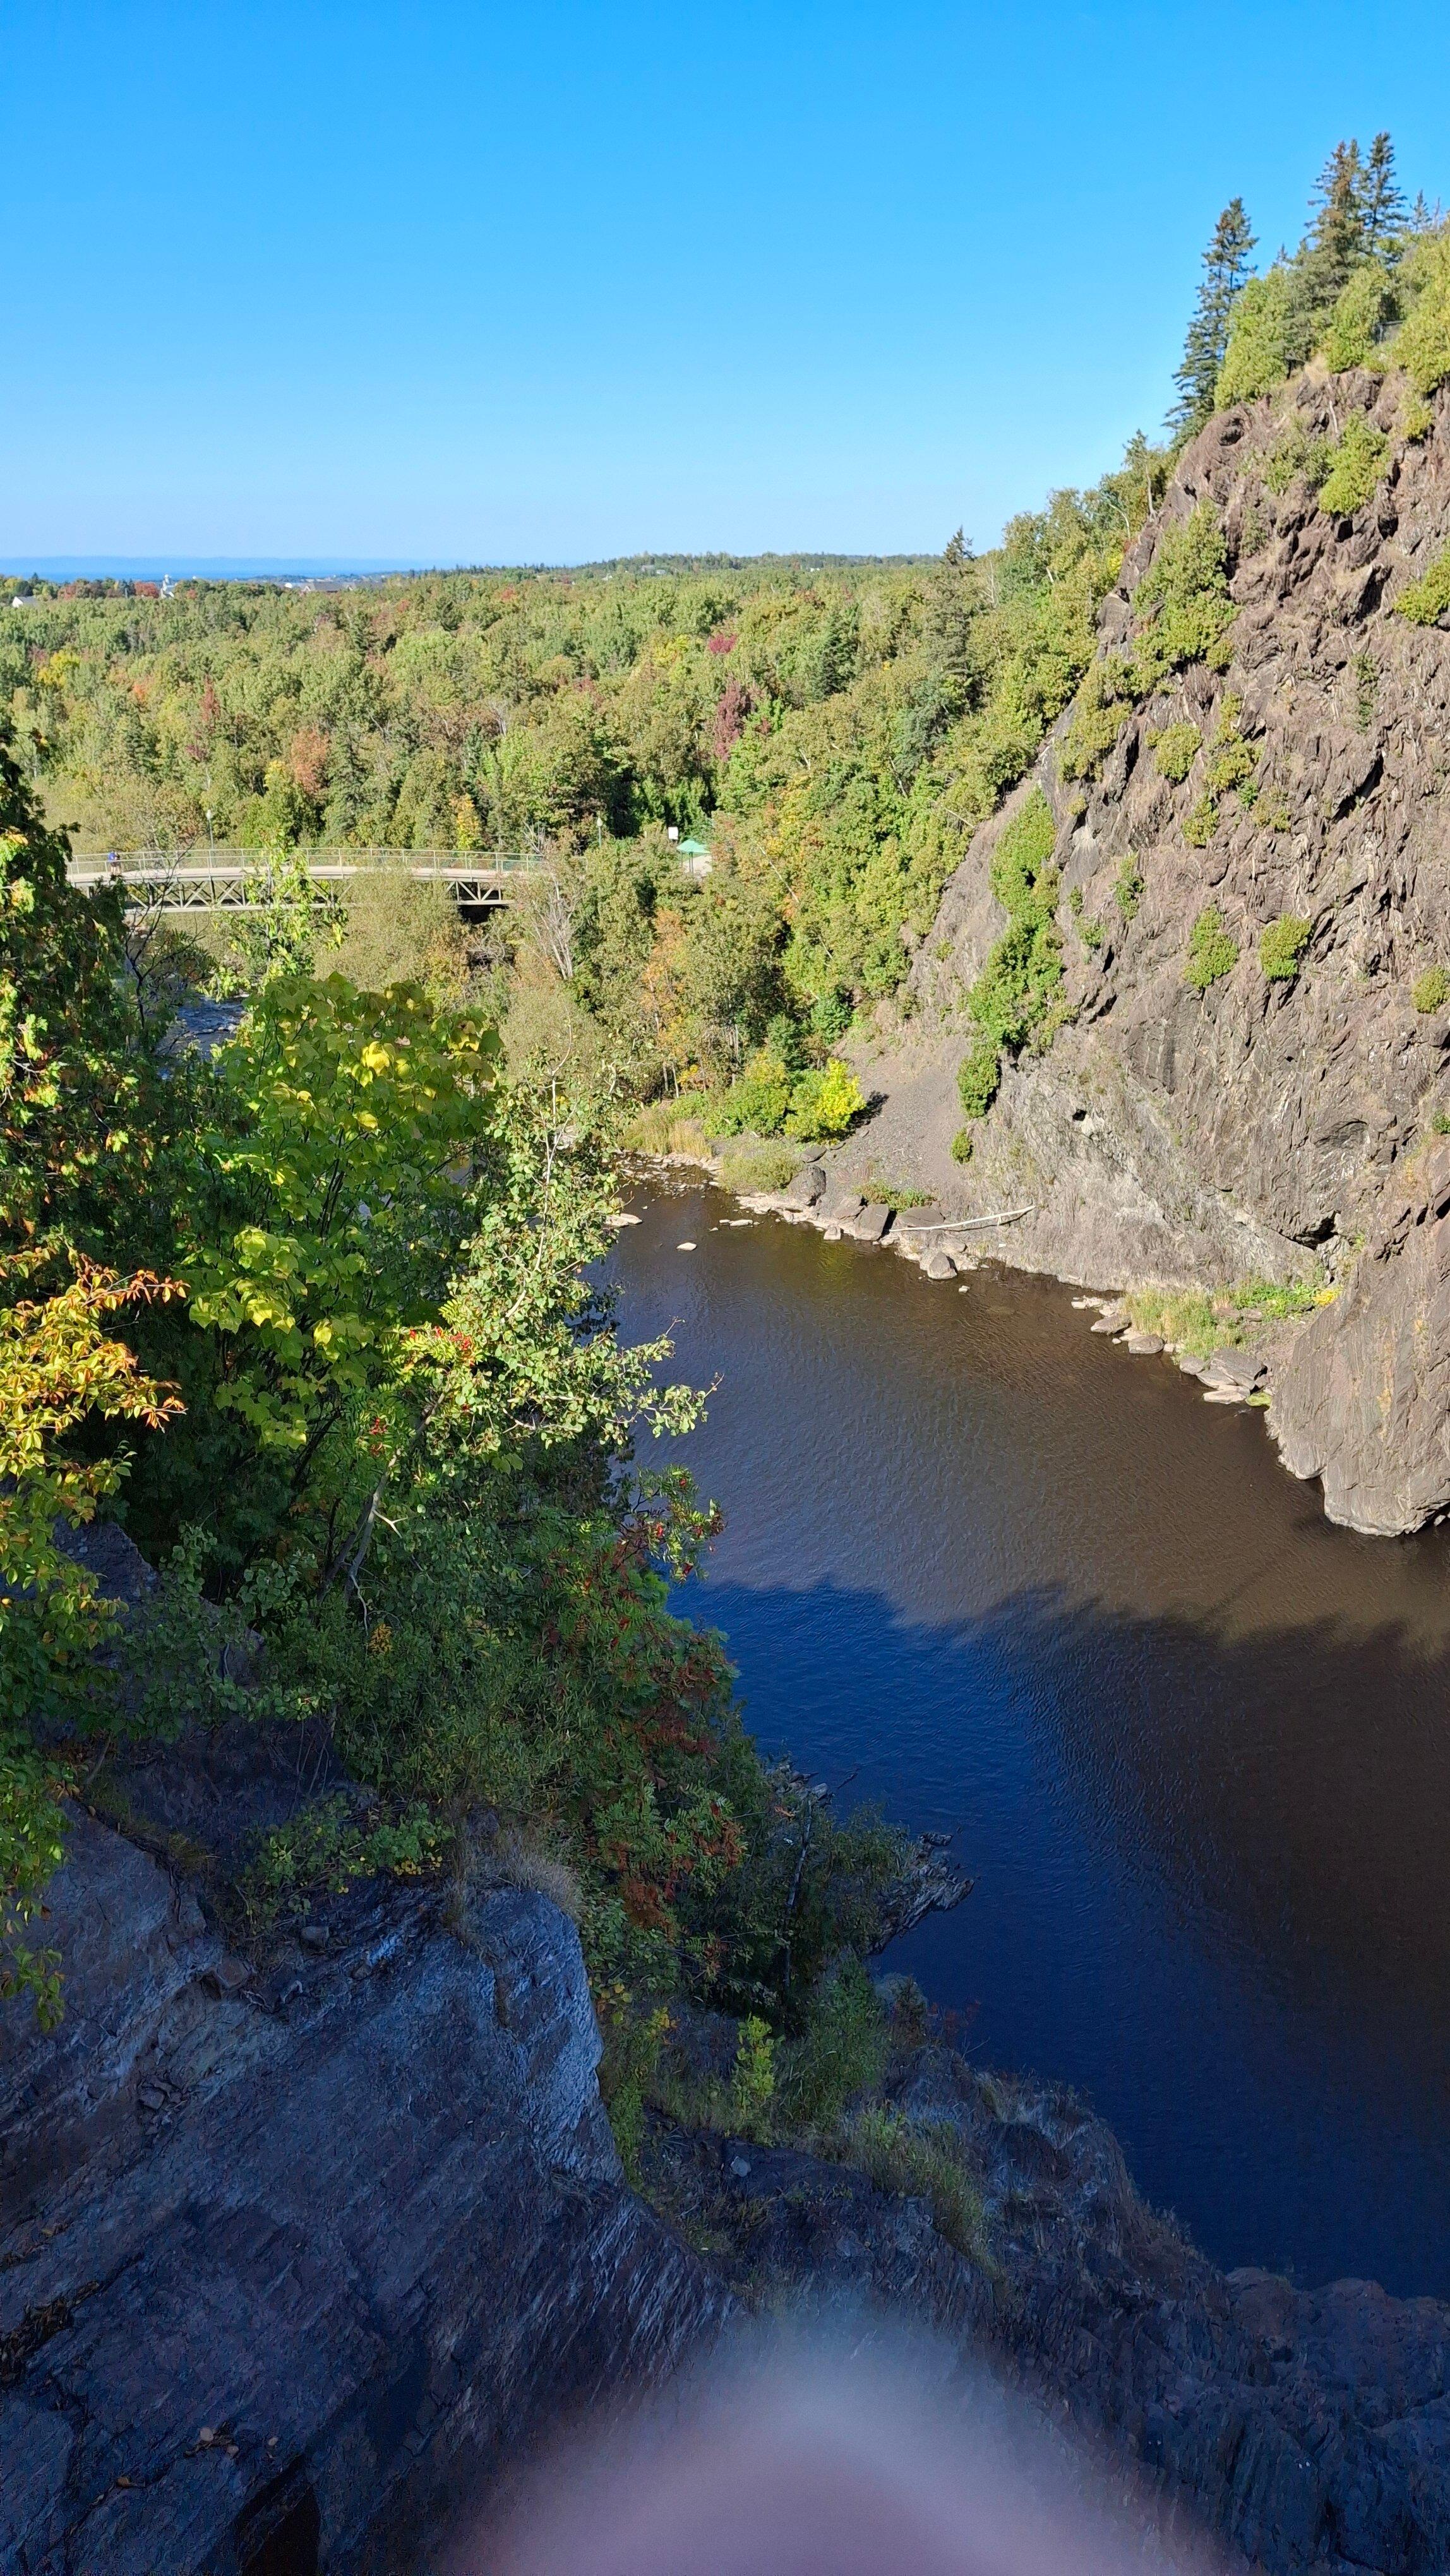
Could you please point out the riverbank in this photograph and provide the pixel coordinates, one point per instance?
(1235, 1346)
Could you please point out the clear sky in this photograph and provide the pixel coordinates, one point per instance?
(453, 282)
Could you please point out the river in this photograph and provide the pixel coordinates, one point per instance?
(1194, 1742)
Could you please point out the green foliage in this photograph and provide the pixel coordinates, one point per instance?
(824, 1104)
(328, 1847)
(1128, 888)
(288, 917)
(963, 1144)
(1015, 998)
(1366, 689)
(1368, 304)
(1282, 946)
(752, 2082)
(1211, 952)
(1430, 991)
(1260, 346)
(1225, 269)
(757, 1103)
(843, 2053)
(1294, 453)
(978, 1077)
(329, 1207)
(1426, 601)
(1200, 826)
(1104, 704)
(1231, 762)
(1417, 421)
(1422, 345)
(1182, 607)
(1176, 748)
(61, 1373)
(634, 2042)
(1092, 934)
(1356, 464)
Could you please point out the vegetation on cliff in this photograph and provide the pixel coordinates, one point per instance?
(322, 1318)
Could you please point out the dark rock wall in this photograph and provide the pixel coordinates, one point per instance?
(325, 2243)
(1260, 1126)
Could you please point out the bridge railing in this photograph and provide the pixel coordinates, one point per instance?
(216, 879)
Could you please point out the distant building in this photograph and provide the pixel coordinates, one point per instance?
(696, 859)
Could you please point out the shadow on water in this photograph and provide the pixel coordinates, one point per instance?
(1195, 1741)
(1233, 1937)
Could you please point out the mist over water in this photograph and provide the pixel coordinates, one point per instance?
(1195, 1743)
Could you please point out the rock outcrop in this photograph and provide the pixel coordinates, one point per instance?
(1266, 1123)
(1309, 2430)
(288, 2254)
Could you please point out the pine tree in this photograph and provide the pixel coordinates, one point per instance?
(1384, 204)
(1225, 268)
(1337, 239)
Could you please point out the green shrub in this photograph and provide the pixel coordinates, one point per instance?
(1366, 689)
(1103, 705)
(1296, 453)
(1418, 421)
(1176, 749)
(1422, 345)
(962, 1144)
(758, 1102)
(1282, 946)
(1367, 305)
(1013, 999)
(1092, 934)
(978, 1077)
(1426, 600)
(1182, 603)
(1128, 888)
(1260, 338)
(752, 2081)
(1431, 991)
(330, 1846)
(1200, 826)
(1355, 467)
(825, 1103)
(1211, 952)
(1232, 763)
(758, 1167)
(843, 2052)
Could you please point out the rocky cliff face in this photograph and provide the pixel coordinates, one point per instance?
(291, 2253)
(1260, 1125)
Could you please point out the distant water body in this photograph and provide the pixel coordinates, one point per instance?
(1195, 1743)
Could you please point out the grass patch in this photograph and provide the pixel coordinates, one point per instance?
(663, 1128)
(924, 2163)
(754, 1166)
(894, 1194)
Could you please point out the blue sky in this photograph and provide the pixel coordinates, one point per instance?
(463, 283)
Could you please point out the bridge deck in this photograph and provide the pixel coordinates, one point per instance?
(226, 880)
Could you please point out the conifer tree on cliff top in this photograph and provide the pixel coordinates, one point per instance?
(1225, 267)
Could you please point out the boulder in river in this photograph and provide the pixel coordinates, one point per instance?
(1144, 1346)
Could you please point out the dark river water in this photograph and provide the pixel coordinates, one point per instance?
(1195, 1744)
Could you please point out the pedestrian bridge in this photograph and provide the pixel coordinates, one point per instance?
(235, 880)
